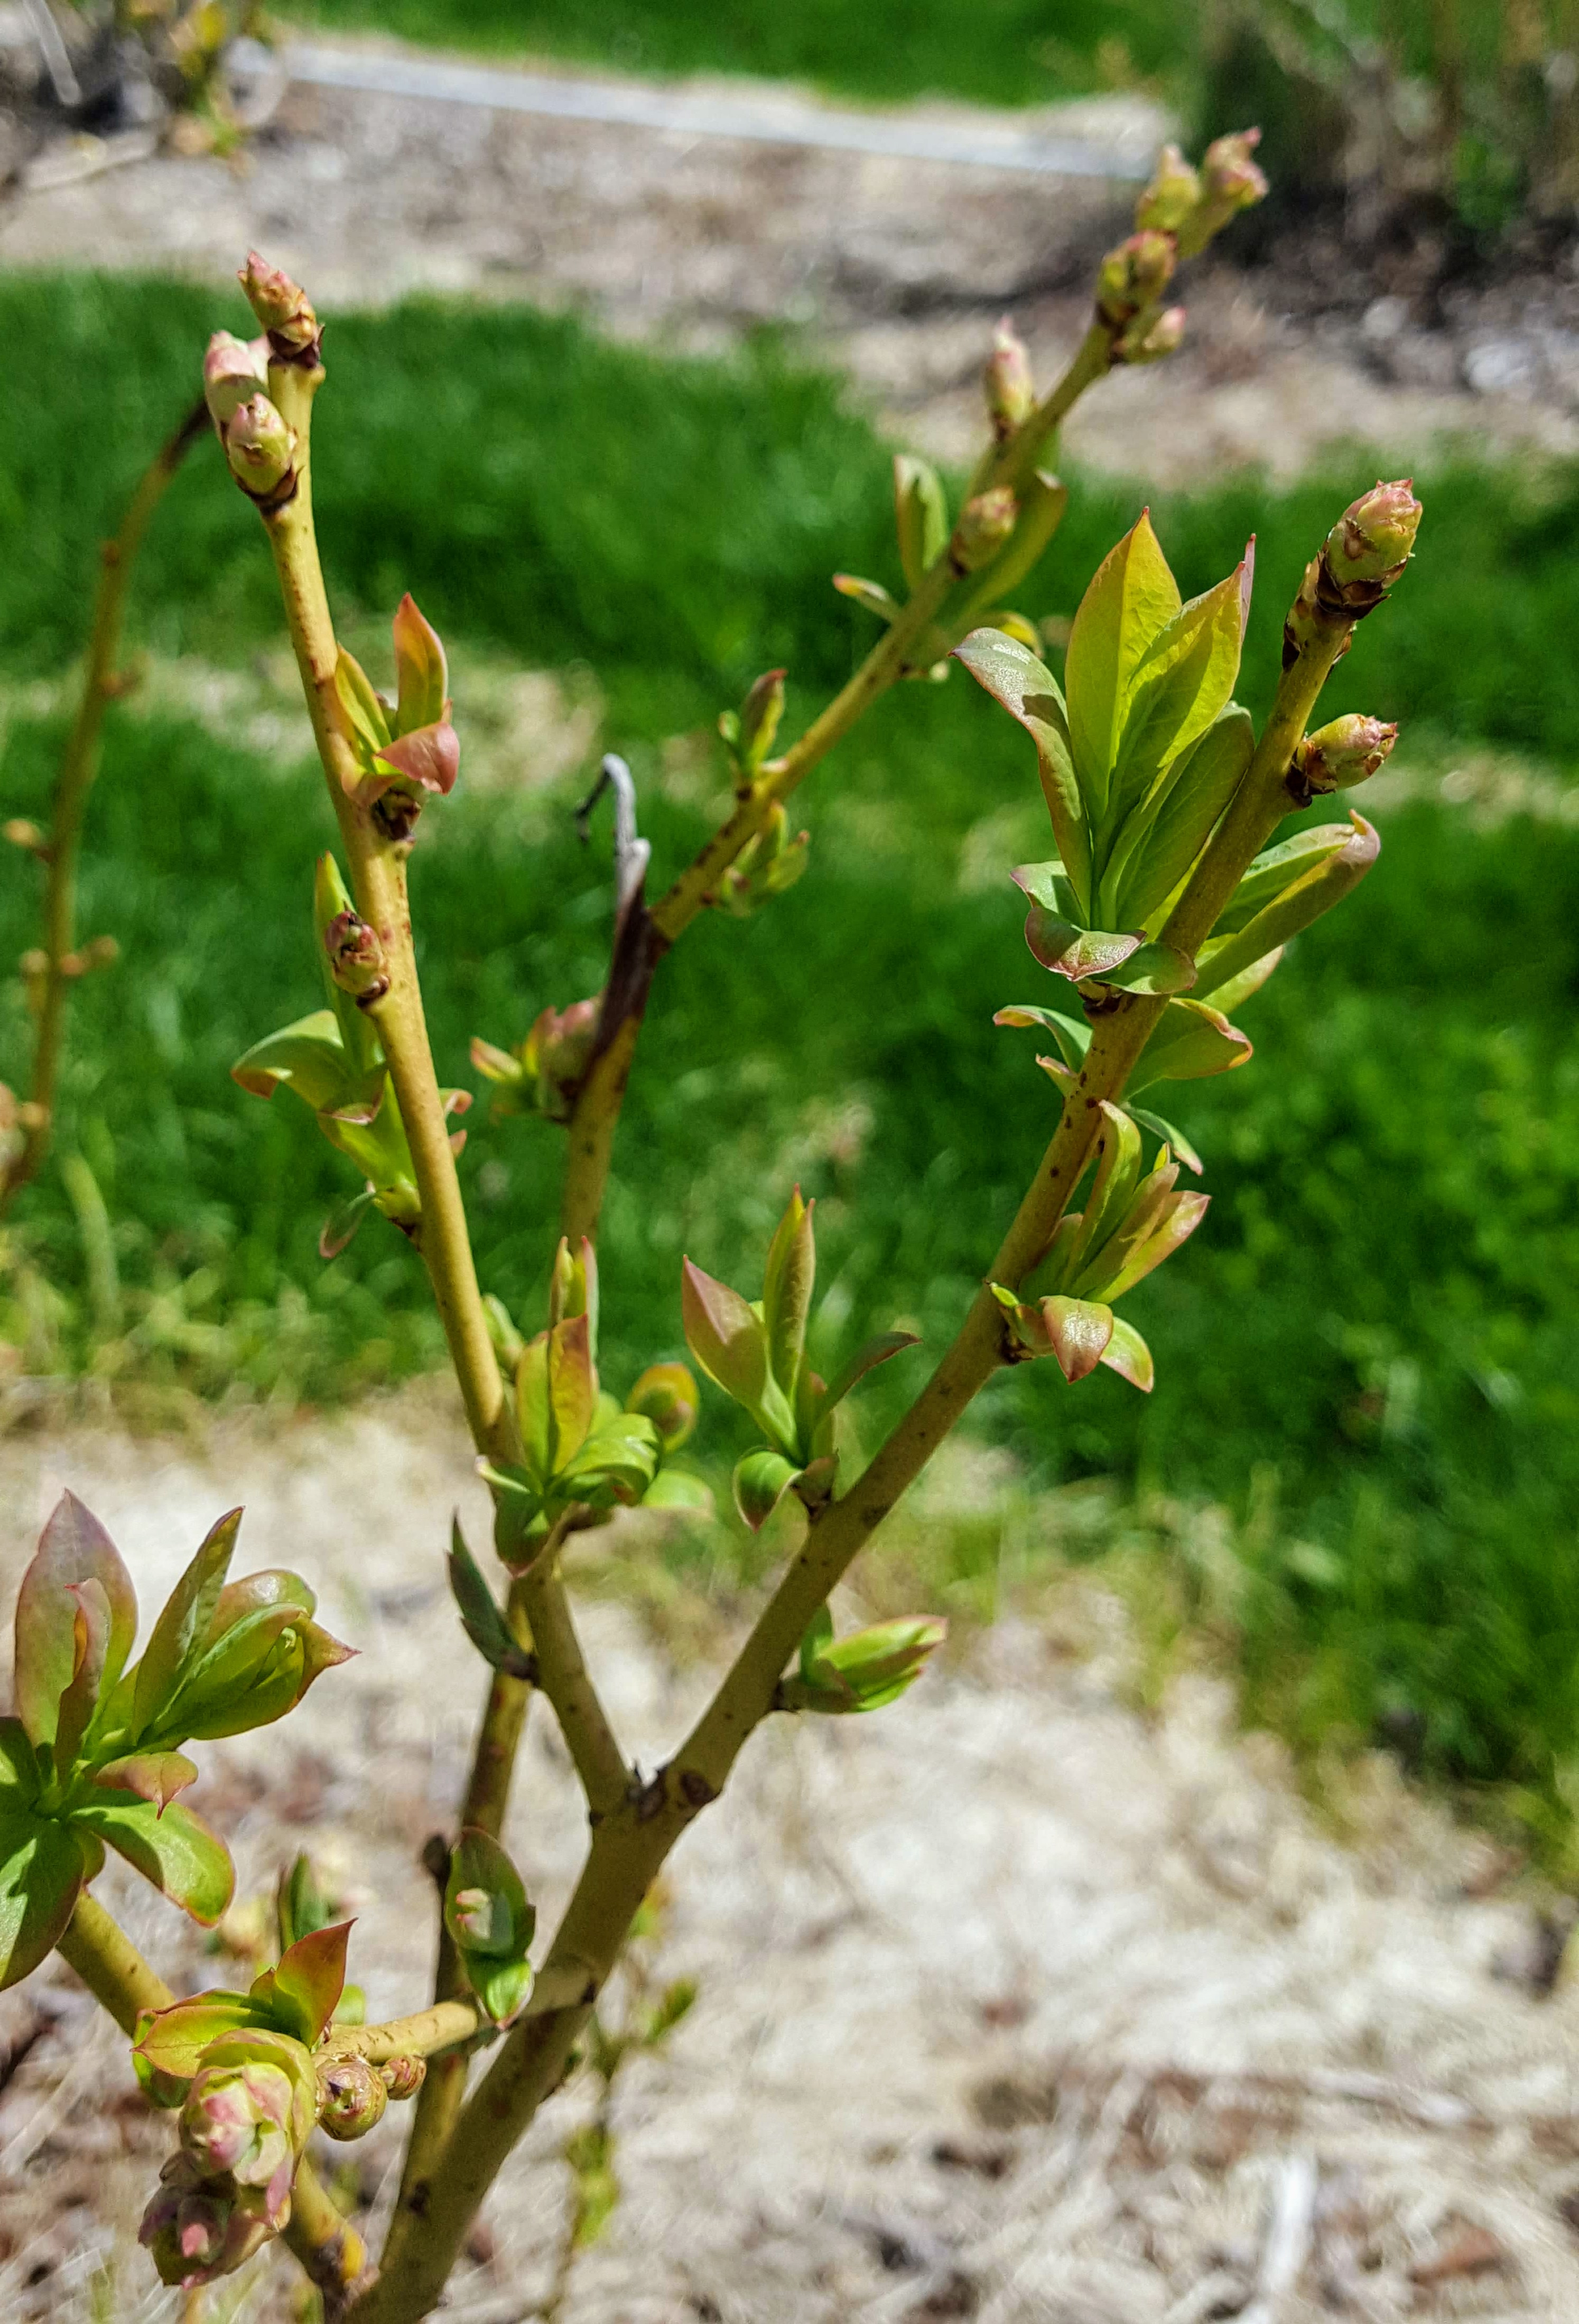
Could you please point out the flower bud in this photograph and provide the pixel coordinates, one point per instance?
(198, 2229)
(280, 305)
(1151, 336)
(250, 2108)
(1338, 756)
(1011, 390)
(403, 2077)
(356, 957)
(233, 371)
(352, 2097)
(984, 525)
(1134, 276)
(1373, 540)
(260, 446)
(666, 1395)
(1171, 196)
(1230, 180)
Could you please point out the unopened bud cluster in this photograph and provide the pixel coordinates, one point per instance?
(1335, 758)
(244, 2127)
(1364, 555)
(1177, 216)
(357, 958)
(259, 444)
(283, 309)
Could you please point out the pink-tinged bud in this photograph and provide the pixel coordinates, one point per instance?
(1228, 175)
(234, 370)
(251, 2107)
(356, 957)
(1149, 339)
(403, 2077)
(1007, 381)
(759, 715)
(984, 525)
(260, 446)
(666, 1395)
(198, 2229)
(1374, 539)
(1338, 756)
(352, 2097)
(556, 1053)
(282, 307)
(1171, 196)
(1134, 277)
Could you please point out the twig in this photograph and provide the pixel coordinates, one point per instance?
(101, 682)
(1289, 2240)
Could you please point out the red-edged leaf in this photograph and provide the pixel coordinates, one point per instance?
(272, 1586)
(1013, 675)
(41, 1872)
(1183, 1216)
(173, 2040)
(1192, 1042)
(300, 1993)
(787, 1288)
(1127, 1354)
(90, 1645)
(172, 1848)
(154, 1776)
(1079, 1330)
(73, 1548)
(572, 1387)
(421, 672)
(724, 1335)
(876, 1350)
(429, 758)
(182, 1630)
(1075, 952)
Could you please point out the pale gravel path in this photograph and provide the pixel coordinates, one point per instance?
(1115, 1962)
(891, 268)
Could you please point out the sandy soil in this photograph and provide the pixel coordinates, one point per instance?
(892, 270)
(1014, 2005)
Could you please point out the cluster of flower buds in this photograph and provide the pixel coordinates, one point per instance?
(1364, 555)
(1128, 1226)
(755, 1351)
(1007, 381)
(583, 1454)
(406, 750)
(862, 1671)
(244, 2124)
(1338, 756)
(260, 443)
(1175, 217)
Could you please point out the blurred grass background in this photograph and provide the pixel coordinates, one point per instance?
(1370, 1354)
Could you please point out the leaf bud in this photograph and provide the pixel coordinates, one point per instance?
(352, 2097)
(20, 832)
(1374, 538)
(234, 370)
(556, 1054)
(760, 1483)
(666, 1395)
(1338, 756)
(865, 1670)
(1171, 196)
(1010, 389)
(282, 307)
(34, 963)
(760, 714)
(984, 525)
(403, 2077)
(1230, 180)
(260, 446)
(1151, 336)
(1134, 276)
(357, 958)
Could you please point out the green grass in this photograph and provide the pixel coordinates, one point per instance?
(995, 51)
(1374, 1335)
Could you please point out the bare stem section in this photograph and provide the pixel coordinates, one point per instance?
(52, 971)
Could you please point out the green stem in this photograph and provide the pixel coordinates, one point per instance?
(101, 682)
(441, 2027)
(114, 1972)
(378, 880)
(595, 1118)
(563, 1676)
(629, 1847)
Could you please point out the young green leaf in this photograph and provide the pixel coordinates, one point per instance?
(1192, 1042)
(725, 1336)
(1027, 690)
(1130, 605)
(299, 1994)
(760, 1483)
(41, 1871)
(1161, 842)
(879, 1350)
(73, 1548)
(182, 1630)
(171, 2043)
(170, 1847)
(787, 1288)
(490, 1924)
(154, 1776)
(1329, 880)
(421, 672)
(480, 1616)
(920, 516)
(365, 714)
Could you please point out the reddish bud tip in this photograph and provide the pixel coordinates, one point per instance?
(1374, 538)
(1347, 752)
(282, 306)
(260, 446)
(1007, 381)
(984, 525)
